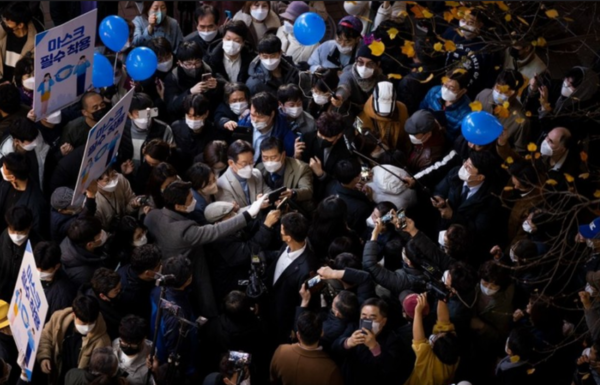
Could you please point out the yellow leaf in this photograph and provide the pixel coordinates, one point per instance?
(377, 48)
(585, 175)
(528, 156)
(523, 20)
(459, 71)
(506, 105)
(395, 76)
(437, 47)
(392, 32)
(509, 188)
(496, 68)
(569, 178)
(501, 112)
(504, 166)
(510, 160)
(452, 4)
(507, 17)
(427, 14)
(531, 147)
(449, 46)
(514, 359)
(584, 156)
(537, 155)
(364, 19)
(502, 6)
(417, 10)
(448, 16)
(420, 69)
(552, 13)
(408, 48)
(445, 79)
(597, 194)
(568, 19)
(476, 106)
(520, 120)
(503, 88)
(532, 370)
(427, 80)
(551, 182)
(528, 114)
(541, 42)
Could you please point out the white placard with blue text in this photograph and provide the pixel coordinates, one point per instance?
(27, 312)
(64, 58)
(102, 146)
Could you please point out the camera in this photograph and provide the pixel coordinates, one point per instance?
(239, 359)
(143, 200)
(387, 218)
(434, 285)
(256, 288)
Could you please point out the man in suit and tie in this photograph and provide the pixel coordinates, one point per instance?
(279, 170)
(465, 197)
(288, 270)
(241, 183)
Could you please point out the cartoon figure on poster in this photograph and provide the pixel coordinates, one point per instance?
(81, 71)
(46, 89)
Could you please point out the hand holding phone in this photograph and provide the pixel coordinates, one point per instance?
(366, 324)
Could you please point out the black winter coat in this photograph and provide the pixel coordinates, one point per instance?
(78, 263)
(11, 256)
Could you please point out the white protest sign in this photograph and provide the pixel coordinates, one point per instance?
(27, 311)
(64, 58)
(102, 146)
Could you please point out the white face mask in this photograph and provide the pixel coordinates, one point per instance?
(29, 83)
(260, 13)
(546, 150)
(288, 27)
(370, 222)
(566, 91)
(270, 64)
(165, 66)
(353, 7)
(85, 329)
(272, 166)
(191, 207)
(414, 139)
(208, 36)
(245, 172)
(194, 124)
(527, 227)
(211, 189)
(245, 382)
(54, 118)
(590, 289)
(498, 97)
(18, 239)
(259, 125)
(231, 47)
(364, 72)
(376, 327)
(344, 50)
(110, 186)
(320, 99)
(31, 145)
(512, 255)
(463, 174)
(141, 241)
(448, 95)
(487, 291)
(468, 31)
(239, 107)
(445, 277)
(45, 275)
(293, 112)
(441, 239)
(141, 123)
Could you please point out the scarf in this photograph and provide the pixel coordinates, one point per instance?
(366, 85)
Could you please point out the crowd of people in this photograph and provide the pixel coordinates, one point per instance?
(290, 214)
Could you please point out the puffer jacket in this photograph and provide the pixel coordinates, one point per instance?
(79, 263)
(453, 114)
(389, 129)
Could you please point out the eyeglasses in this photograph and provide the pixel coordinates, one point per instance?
(192, 64)
(361, 63)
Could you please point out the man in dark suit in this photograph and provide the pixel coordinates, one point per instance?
(289, 269)
(465, 197)
(207, 27)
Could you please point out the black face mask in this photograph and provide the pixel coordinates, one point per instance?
(100, 113)
(193, 72)
(129, 350)
(325, 143)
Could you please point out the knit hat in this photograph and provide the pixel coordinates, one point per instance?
(410, 303)
(294, 9)
(352, 22)
(61, 198)
(217, 211)
(421, 122)
(3, 314)
(365, 52)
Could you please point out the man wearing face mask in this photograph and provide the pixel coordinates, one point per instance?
(59, 291)
(522, 57)
(289, 45)
(70, 337)
(13, 241)
(93, 108)
(232, 56)
(105, 287)
(114, 199)
(290, 104)
(207, 30)
(270, 69)
(18, 38)
(51, 129)
(428, 143)
(338, 53)
(132, 348)
(82, 251)
(62, 213)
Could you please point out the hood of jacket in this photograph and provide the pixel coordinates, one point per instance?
(73, 255)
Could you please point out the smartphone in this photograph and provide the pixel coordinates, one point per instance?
(240, 358)
(274, 195)
(366, 324)
(148, 113)
(228, 14)
(206, 77)
(402, 217)
(300, 137)
(364, 173)
(313, 281)
(244, 129)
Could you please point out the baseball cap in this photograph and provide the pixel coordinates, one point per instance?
(217, 211)
(421, 122)
(592, 230)
(352, 22)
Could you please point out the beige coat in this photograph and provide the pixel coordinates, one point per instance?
(54, 333)
(28, 48)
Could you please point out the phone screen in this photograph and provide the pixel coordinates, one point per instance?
(313, 281)
(206, 77)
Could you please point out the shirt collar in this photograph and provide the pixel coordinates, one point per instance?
(560, 162)
(474, 189)
(295, 254)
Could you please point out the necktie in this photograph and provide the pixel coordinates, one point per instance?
(275, 178)
(465, 192)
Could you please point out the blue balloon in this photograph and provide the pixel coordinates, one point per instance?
(481, 128)
(309, 28)
(114, 32)
(141, 63)
(102, 73)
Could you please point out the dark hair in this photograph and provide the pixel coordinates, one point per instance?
(270, 143)
(248, 5)
(46, 255)
(459, 241)
(289, 93)
(230, 88)
(385, 207)
(197, 102)
(378, 303)
(104, 280)
(347, 304)
(447, 348)
(23, 129)
(525, 250)
(577, 75)
(24, 66)
(199, 175)
(140, 101)
(161, 46)
(18, 12)
(238, 27)
(512, 78)
(269, 44)
(176, 194)
(237, 305)
(484, 162)
(330, 217)
(461, 76)
(238, 147)
(158, 176)
(180, 267)
(145, 257)
(86, 308)
(264, 103)
(158, 149)
(325, 79)
(310, 327)
(346, 260)
(10, 99)
(83, 230)
(526, 173)
(521, 343)
(347, 32)
(346, 170)
(330, 124)
(393, 249)
(132, 329)
(189, 50)
(206, 10)
(103, 365)
(295, 225)
(146, 12)
(424, 51)
(340, 245)
(125, 231)
(492, 272)
(19, 218)
(215, 152)
(464, 277)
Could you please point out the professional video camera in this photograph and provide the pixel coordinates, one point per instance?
(239, 361)
(433, 282)
(256, 288)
